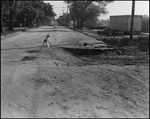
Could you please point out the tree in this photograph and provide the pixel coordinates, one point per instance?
(35, 12)
(62, 20)
(26, 12)
(91, 13)
(2, 3)
(4, 11)
(79, 7)
(48, 9)
(49, 13)
(12, 7)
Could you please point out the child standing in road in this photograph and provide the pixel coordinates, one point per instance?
(47, 41)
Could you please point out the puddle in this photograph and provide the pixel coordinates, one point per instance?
(28, 58)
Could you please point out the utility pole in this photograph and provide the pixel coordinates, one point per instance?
(132, 20)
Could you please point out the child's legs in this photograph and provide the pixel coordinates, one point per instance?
(44, 43)
(48, 44)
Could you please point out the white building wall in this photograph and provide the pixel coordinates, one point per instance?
(137, 26)
(123, 23)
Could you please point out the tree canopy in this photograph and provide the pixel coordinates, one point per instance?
(84, 11)
(26, 12)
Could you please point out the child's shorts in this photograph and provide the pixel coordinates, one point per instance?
(45, 40)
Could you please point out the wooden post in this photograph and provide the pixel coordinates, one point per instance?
(132, 20)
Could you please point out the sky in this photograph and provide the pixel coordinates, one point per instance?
(115, 8)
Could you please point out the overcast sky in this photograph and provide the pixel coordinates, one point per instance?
(115, 8)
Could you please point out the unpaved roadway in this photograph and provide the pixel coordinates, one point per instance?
(46, 82)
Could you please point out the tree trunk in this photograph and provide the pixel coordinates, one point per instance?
(12, 11)
(79, 23)
(74, 22)
(37, 22)
(11, 24)
(28, 21)
(1, 25)
(1, 19)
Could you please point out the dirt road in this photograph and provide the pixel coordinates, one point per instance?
(46, 82)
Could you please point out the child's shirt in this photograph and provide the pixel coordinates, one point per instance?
(49, 40)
